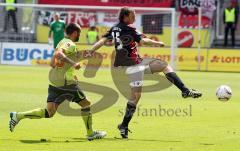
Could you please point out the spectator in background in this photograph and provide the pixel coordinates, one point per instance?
(10, 12)
(92, 35)
(57, 27)
(230, 21)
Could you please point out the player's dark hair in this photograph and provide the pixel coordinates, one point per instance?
(72, 27)
(125, 11)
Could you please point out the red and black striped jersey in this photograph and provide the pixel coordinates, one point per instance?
(125, 40)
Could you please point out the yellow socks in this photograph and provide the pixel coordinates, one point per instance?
(33, 114)
(87, 118)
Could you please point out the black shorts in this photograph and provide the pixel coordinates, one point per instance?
(59, 94)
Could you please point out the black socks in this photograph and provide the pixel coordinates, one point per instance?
(173, 78)
(46, 114)
(130, 109)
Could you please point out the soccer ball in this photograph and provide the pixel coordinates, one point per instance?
(224, 93)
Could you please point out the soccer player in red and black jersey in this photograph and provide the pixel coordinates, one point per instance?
(126, 40)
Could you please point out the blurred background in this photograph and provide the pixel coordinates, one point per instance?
(193, 30)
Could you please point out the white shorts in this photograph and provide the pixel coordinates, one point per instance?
(136, 72)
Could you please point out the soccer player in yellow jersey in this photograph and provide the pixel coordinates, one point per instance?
(63, 85)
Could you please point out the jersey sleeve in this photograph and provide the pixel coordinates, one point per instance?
(137, 36)
(108, 35)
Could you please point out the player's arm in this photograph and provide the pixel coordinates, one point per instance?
(96, 46)
(50, 31)
(100, 43)
(224, 20)
(143, 40)
(148, 41)
(50, 35)
(59, 54)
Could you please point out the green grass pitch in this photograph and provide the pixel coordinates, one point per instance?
(212, 126)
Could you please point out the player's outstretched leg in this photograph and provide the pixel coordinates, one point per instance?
(87, 118)
(16, 117)
(161, 66)
(186, 92)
